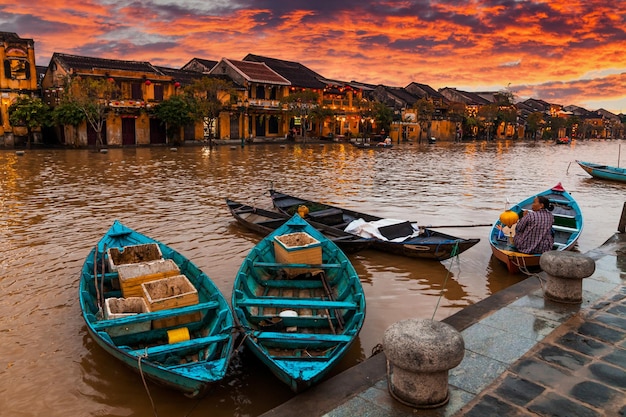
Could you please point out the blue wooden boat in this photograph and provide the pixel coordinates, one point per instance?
(568, 224)
(400, 238)
(157, 312)
(605, 172)
(266, 221)
(299, 302)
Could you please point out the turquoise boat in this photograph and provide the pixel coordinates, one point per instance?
(155, 311)
(605, 172)
(567, 227)
(299, 302)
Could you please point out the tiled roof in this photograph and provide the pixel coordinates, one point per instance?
(9, 36)
(258, 72)
(207, 64)
(89, 63)
(182, 76)
(296, 73)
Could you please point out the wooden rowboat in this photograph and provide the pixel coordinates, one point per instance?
(299, 302)
(266, 221)
(605, 172)
(568, 224)
(155, 311)
(400, 238)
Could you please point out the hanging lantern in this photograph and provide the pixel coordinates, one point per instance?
(509, 218)
(176, 84)
(148, 82)
(111, 80)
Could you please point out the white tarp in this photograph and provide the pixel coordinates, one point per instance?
(370, 229)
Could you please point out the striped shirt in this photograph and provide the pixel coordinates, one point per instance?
(533, 233)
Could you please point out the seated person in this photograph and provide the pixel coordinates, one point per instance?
(386, 142)
(533, 233)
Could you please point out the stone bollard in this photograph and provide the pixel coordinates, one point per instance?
(419, 354)
(565, 273)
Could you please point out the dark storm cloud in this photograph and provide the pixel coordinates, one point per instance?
(27, 23)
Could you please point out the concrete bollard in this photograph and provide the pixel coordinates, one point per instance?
(419, 354)
(565, 273)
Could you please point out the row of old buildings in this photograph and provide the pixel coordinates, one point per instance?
(258, 109)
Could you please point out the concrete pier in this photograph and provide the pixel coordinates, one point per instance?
(419, 354)
(564, 274)
(524, 356)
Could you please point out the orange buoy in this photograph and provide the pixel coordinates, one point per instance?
(509, 218)
(303, 211)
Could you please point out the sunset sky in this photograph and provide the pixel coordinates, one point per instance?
(561, 51)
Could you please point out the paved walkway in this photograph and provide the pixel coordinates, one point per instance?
(524, 356)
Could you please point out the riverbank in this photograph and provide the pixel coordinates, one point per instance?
(524, 356)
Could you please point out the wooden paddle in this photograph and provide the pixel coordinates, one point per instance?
(458, 225)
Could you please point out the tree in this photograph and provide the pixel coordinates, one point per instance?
(318, 115)
(457, 114)
(301, 104)
(489, 114)
(92, 97)
(383, 116)
(534, 122)
(68, 113)
(175, 113)
(207, 97)
(31, 113)
(424, 109)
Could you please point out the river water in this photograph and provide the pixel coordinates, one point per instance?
(55, 205)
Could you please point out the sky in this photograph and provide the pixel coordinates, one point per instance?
(568, 52)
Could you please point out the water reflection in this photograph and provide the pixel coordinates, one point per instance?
(55, 204)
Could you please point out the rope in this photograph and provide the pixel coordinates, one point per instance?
(143, 378)
(454, 254)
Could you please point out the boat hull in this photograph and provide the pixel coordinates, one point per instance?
(301, 325)
(604, 172)
(144, 340)
(429, 244)
(265, 222)
(568, 225)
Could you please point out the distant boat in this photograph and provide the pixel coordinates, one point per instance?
(563, 141)
(155, 311)
(604, 172)
(265, 222)
(400, 237)
(568, 224)
(299, 302)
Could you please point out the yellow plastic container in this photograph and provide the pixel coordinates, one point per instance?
(177, 335)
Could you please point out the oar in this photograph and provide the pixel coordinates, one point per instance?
(458, 225)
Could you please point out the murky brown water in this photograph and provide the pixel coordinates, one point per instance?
(55, 204)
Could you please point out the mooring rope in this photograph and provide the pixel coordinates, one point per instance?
(454, 254)
(145, 384)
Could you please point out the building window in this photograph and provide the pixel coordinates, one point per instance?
(135, 91)
(158, 92)
(17, 68)
(260, 92)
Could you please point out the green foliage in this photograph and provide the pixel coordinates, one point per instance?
(68, 113)
(92, 97)
(30, 112)
(383, 116)
(175, 112)
(208, 96)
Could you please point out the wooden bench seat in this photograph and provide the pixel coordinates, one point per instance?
(173, 347)
(302, 266)
(143, 317)
(302, 337)
(307, 303)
